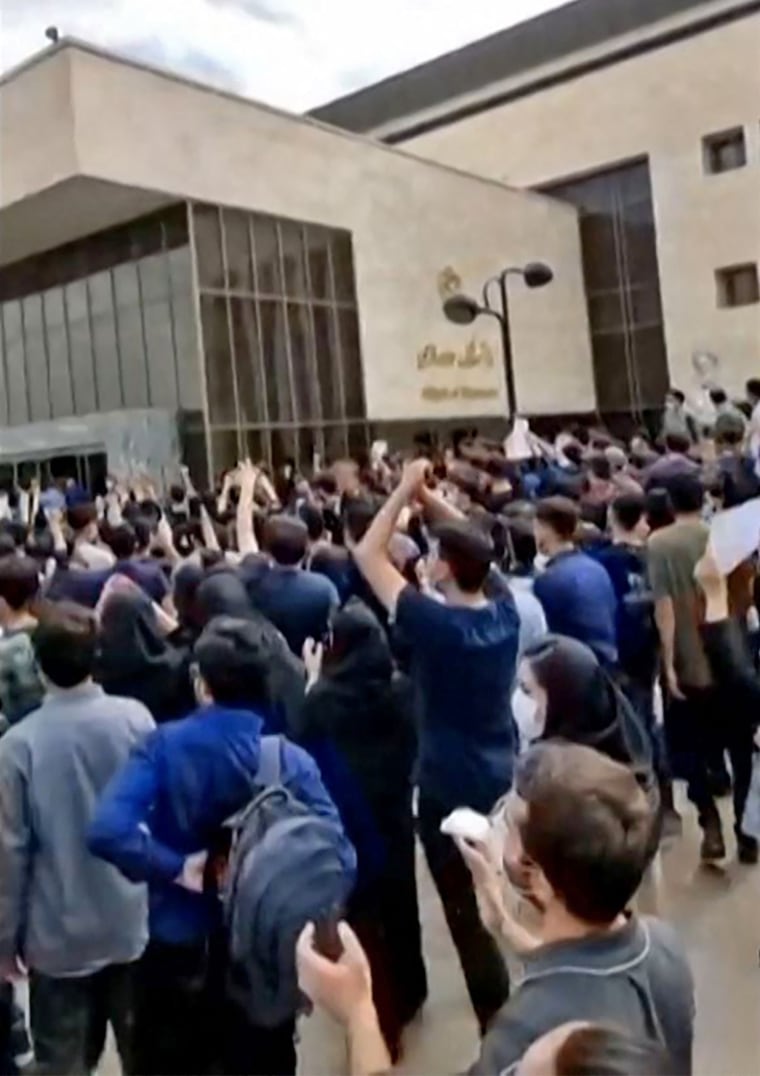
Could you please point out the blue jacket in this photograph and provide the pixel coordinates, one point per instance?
(579, 601)
(173, 795)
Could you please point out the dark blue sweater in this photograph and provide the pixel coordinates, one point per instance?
(173, 795)
(579, 601)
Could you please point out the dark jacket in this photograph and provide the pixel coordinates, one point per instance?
(732, 669)
(298, 602)
(136, 661)
(357, 723)
(171, 800)
(637, 638)
(222, 593)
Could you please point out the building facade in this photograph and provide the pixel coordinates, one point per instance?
(269, 285)
(645, 115)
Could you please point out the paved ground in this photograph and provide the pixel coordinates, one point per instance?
(718, 915)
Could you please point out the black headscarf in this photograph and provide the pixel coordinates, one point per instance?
(222, 593)
(136, 661)
(360, 707)
(185, 588)
(584, 705)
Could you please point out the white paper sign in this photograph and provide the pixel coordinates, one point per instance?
(735, 535)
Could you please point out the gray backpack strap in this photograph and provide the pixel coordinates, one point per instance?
(269, 773)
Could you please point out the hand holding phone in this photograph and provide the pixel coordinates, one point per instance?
(327, 940)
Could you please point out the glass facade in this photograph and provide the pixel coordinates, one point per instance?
(128, 318)
(619, 248)
(280, 335)
(101, 324)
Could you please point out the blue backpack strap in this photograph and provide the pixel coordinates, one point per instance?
(269, 773)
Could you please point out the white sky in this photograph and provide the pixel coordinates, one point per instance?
(290, 53)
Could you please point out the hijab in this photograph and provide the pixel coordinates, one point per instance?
(358, 704)
(136, 661)
(223, 593)
(584, 705)
(185, 589)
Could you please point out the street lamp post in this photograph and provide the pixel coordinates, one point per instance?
(463, 310)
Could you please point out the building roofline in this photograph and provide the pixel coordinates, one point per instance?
(522, 52)
(78, 45)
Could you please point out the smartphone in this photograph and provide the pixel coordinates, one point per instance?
(327, 939)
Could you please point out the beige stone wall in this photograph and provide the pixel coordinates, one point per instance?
(410, 220)
(659, 104)
(36, 128)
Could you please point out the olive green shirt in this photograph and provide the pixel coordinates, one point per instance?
(672, 557)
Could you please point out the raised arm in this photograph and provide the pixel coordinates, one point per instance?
(246, 536)
(371, 554)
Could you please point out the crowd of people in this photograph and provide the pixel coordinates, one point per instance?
(227, 717)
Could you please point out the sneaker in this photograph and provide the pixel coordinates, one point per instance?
(747, 849)
(713, 845)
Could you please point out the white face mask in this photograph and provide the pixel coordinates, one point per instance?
(525, 711)
(540, 562)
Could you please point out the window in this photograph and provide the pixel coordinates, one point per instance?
(283, 356)
(737, 285)
(725, 151)
(619, 247)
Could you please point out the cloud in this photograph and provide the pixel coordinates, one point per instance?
(290, 53)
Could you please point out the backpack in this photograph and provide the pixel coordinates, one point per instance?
(21, 687)
(284, 870)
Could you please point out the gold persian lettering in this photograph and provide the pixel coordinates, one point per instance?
(474, 354)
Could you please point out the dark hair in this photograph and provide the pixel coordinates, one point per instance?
(687, 493)
(312, 517)
(7, 544)
(40, 545)
(143, 531)
(596, 1050)
(19, 581)
(677, 442)
(285, 539)
(17, 531)
(753, 387)
(468, 551)
(65, 642)
(80, 516)
(659, 509)
(677, 395)
(573, 451)
(560, 514)
(333, 562)
(177, 494)
(358, 513)
(588, 827)
(600, 466)
(123, 541)
(521, 542)
(718, 396)
(233, 658)
(628, 509)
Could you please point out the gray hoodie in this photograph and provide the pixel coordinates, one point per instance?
(637, 978)
(64, 912)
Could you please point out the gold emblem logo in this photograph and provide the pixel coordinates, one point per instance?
(449, 282)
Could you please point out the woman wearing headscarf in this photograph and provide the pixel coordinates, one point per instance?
(563, 693)
(185, 585)
(357, 723)
(222, 593)
(136, 660)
